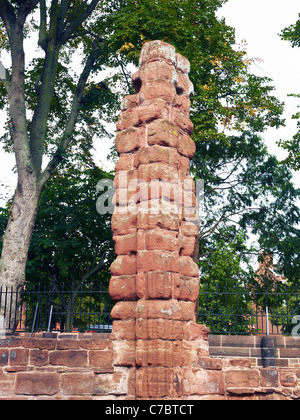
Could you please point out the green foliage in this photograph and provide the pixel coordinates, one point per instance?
(4, 214)
(227, 278)
(292, 146)
(70, 238)
(292, 34)
(225, 92)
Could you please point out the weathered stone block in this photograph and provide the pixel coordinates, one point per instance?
(19, 357)
(129, 119)
(127, 140)
(188, 267)
(161, 239)
(288, 378)
(126, 179)
(157, 50)
(186, 146)
(39, 357)
(153, 110)
(38, 343)
(157, 285)
(187, 288)
(182, 64)
(187, 246)
(157, 382)
(130, 101)
(78, 384)
(125, 162)
(242, 378)
(163, 133)
(126, 197)
(189, 229)
(155, 71)
(269, 378)
(112, 384)
(182, 121)
(157, 171)
(158, 153)
(147, 221)
(4, 356)
(124, 265)
(169, 309)
(158, 89)
(124, 353)
(157, 261)
(37, 383)
(203, 382)
(125, 244)
(165, 353)
(103, 360)
(124, 310)
(71, 358)
(184, 84)
(124, 330)
(123, 288)
(153, 329)
(123, 223)
(194, 332)
(210, 364)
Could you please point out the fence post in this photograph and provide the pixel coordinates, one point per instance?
(35, 315)
(268, 352)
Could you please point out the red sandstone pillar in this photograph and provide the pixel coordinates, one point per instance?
(154, 278)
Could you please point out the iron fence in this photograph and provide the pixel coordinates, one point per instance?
(67, 309)
(225, 308)
(250, 309)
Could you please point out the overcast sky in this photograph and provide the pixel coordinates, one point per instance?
(258, 22)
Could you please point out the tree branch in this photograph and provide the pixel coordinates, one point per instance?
(62, 14)
(8, 15)
(65, 141)
(74, 25)
(43, 25)
(39, 120)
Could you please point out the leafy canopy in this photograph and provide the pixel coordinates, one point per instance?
(292, 34)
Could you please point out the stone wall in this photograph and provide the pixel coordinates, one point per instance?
(286, 349)
(80, 366)
(59, 366)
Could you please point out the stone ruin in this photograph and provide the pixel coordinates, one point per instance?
(155, 280)
(156, 350)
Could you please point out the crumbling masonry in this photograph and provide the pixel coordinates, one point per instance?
(154, 278)
(156, 350)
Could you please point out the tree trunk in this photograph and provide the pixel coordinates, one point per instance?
(16, 244)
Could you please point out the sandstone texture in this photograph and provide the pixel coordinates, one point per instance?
(155, 281)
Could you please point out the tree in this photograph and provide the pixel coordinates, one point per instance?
(71, 247)
(44, 107)
(292, 34)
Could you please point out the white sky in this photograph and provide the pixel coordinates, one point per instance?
(258, 22)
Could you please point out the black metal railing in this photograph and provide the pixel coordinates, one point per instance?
(250, 309)
(225, 309)
(66, 309)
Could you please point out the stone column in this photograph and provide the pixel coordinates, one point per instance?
(154, 278)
